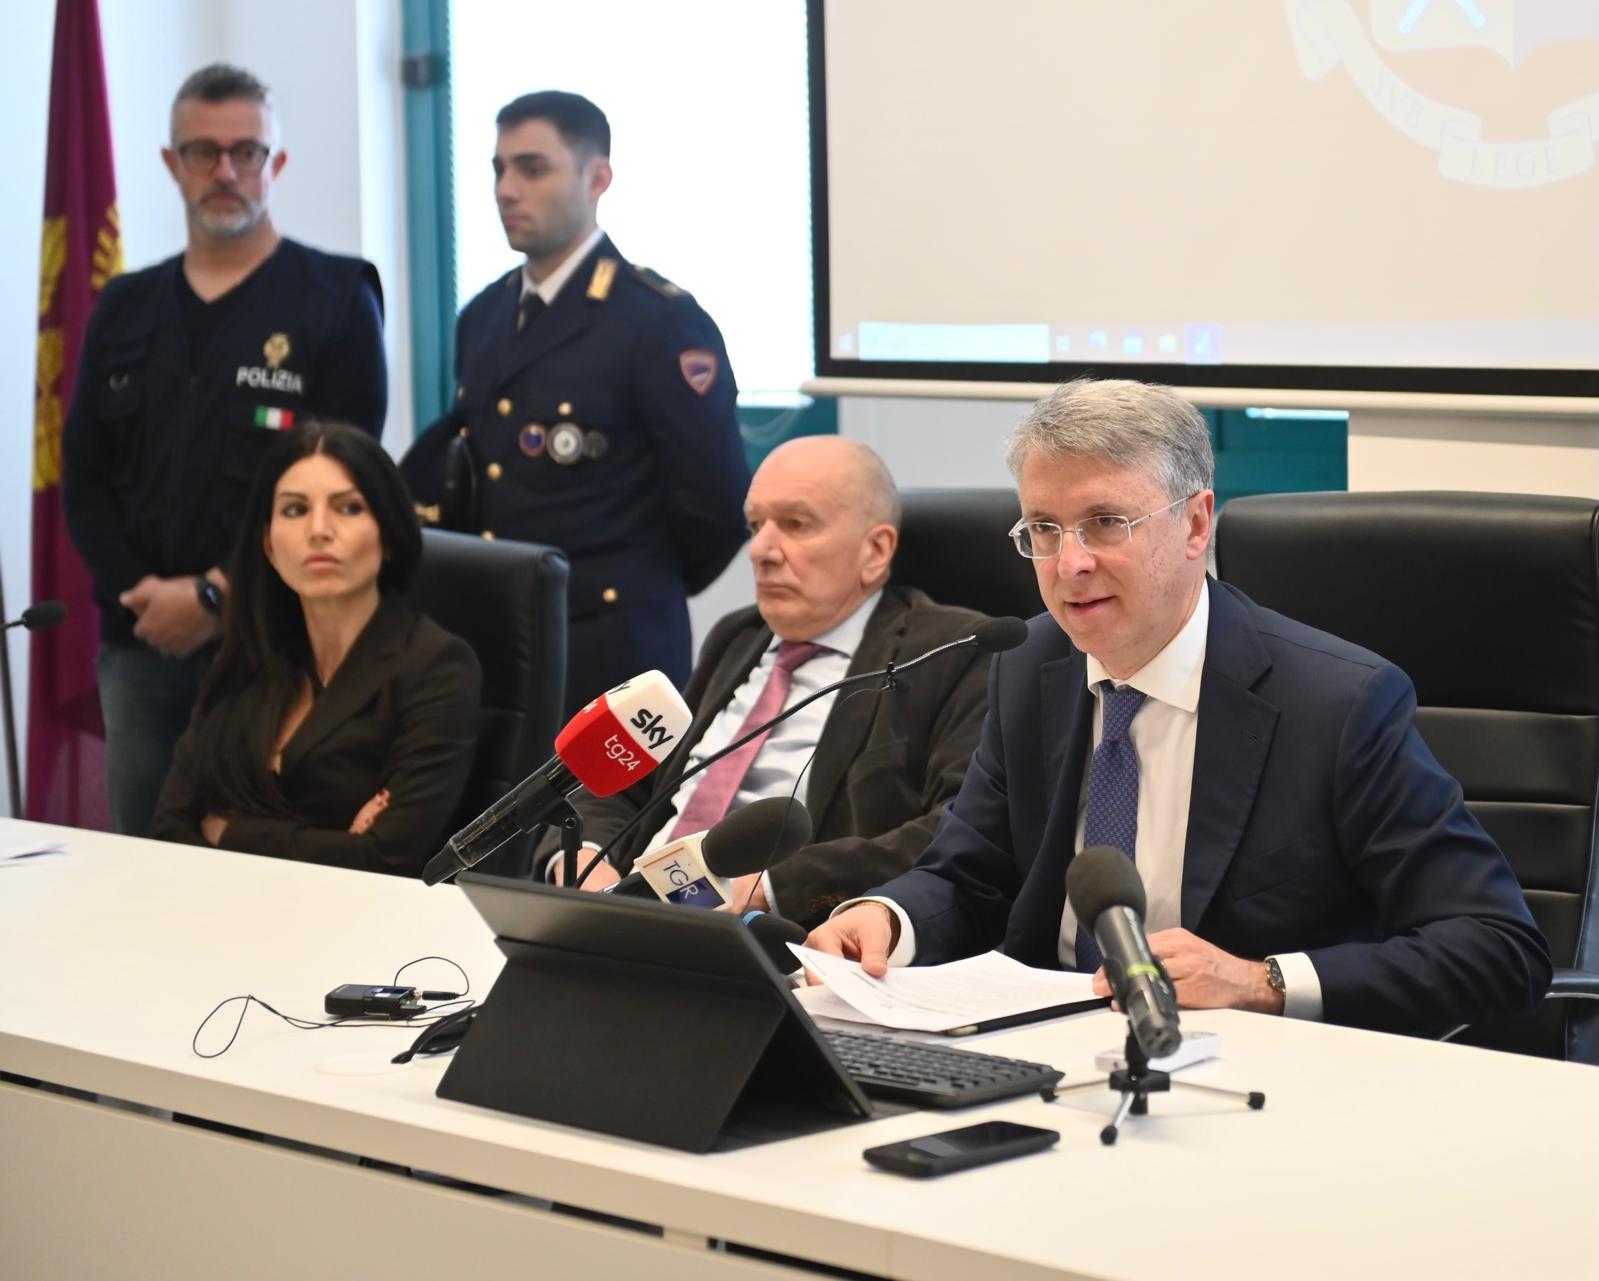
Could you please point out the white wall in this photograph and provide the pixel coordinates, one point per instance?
(1490, 453)
(334, 71)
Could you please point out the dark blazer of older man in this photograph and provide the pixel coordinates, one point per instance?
(1319, 823)
(885, 765)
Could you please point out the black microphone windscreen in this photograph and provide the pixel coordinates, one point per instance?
(1100, 877)
(774, 934)
(43, 616)
(996, 634)
(754, 838)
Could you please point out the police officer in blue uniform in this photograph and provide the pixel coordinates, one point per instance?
(595, 411)
(188, 370)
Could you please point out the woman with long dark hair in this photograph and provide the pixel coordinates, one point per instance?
(337, 725)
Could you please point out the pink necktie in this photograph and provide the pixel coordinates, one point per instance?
(716, 791)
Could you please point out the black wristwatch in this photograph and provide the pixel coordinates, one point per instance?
(209, 593)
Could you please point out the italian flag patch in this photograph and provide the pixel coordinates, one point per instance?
(274, 419)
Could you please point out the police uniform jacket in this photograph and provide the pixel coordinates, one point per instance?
(156, 463)
(606, 427)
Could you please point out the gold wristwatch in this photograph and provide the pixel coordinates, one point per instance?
(1274, 977)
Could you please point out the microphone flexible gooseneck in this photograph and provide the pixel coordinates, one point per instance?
(990, 636)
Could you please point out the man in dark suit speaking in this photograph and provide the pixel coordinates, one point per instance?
(872, 768)
(1302, 850)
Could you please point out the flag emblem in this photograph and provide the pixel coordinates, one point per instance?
(274, 419)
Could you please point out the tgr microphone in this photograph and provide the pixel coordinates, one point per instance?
(610, 744)
(696, 871)
(774, 934)
(1107, 897)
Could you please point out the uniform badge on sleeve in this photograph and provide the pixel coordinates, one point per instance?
(276, 350)
(699, 369)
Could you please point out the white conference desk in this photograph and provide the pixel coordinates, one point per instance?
(1375, 1156)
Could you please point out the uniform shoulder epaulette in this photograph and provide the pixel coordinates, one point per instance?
(654, 280)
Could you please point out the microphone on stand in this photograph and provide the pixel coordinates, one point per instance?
(989, 637)
(610, 744)
(41, 617)
(36, 618)
(1107, 896)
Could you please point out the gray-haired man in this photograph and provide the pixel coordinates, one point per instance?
(1302, 851)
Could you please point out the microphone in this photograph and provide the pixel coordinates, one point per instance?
(773, 934)
(610, 744)
(694, 871)
(1107, 897)
(41, 617)
(993, 635)
(989, 637)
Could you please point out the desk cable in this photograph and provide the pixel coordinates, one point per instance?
(431, 1015)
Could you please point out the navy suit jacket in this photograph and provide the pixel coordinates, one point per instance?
(1319, 822)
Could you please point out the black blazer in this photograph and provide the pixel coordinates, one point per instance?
(401, 713)
(1318, 822)
(884, 765)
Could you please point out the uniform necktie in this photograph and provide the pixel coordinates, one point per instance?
(528, 309)
(1112, 814)
(716, 791)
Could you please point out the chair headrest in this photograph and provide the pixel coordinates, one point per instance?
(1485, 600)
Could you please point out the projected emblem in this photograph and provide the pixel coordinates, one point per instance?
(1328, 33)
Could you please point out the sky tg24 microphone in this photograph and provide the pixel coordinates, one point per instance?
(610, 744)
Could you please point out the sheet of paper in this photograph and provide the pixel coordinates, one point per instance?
(937, 998)
(24, 853)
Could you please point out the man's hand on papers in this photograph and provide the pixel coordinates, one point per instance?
(979, 993)
(1206, 978)
(865, 933)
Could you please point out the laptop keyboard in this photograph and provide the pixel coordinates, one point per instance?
(933, 1076)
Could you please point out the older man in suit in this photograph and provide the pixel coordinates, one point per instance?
(873, 768)
(1303, 851)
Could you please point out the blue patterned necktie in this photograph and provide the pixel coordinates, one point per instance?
(1112, 815)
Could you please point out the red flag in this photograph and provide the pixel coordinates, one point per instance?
(82, 250)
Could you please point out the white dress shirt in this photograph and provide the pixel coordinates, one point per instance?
(550, 286)
(787, 751)
(1163, 734)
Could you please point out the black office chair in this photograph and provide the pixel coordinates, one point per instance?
(507, 600)
(1490, 602)
(952, 546)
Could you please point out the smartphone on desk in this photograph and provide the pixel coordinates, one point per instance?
(961, 1149)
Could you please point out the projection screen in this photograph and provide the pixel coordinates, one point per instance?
(1366, 195)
